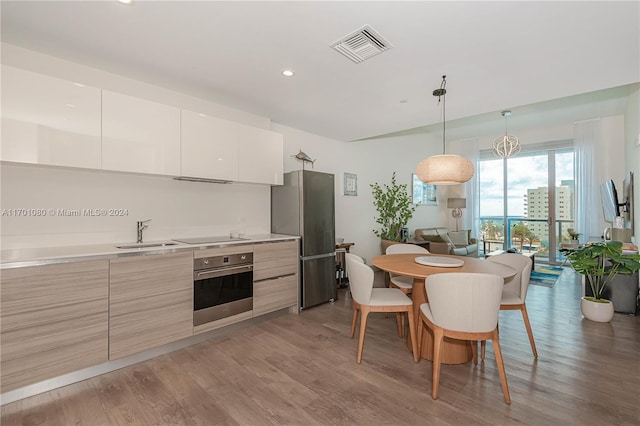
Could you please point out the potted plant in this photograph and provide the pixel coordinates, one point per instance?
(395, 209)
(573, 235)
(599, 263)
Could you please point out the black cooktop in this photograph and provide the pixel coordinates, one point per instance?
(206, 240)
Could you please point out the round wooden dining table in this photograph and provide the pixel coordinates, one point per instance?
(453, 351)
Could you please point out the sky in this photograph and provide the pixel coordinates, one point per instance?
(523, 172)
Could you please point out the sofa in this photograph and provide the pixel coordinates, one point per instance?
(443, 241)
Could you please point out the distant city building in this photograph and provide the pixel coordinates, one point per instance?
(536, 206)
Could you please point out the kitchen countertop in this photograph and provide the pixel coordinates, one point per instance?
(17, 258)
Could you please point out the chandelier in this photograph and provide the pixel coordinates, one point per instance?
(506, 146)
(445, 169)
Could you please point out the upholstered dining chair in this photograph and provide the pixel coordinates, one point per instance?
(398, 281)
(515, 289)
(463, 306)
(367, 299)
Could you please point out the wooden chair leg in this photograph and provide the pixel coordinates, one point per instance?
(438, 335)
(355, 320)
(483, 348)
(525, 317)
(474, 351)
(364, 313)
(419, 331)
(400, 323)
(412, 335)
(500, 362)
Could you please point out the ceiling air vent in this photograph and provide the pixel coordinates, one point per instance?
(361, 44)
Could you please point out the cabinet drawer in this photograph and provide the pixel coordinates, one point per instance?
(151, 302)
(54, 320)
(271, 295)
(140, 277)
(275, 259)
(275, 251)
(273, 269)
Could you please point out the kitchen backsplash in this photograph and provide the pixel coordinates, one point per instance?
(47, 207)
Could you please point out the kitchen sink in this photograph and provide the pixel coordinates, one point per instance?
(146, 245)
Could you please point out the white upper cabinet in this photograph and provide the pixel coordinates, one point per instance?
(261, 156)
(50, 121)
(209, 147)
(139, 135)
(47, 120)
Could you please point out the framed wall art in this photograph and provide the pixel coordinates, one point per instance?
(350, 184)
(424, 194)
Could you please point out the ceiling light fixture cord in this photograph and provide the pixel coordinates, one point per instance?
(440, 93)
(444, 169)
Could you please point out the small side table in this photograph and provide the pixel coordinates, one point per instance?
(341, 265)
(345, 246)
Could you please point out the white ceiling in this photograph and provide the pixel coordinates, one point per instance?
(496, 55)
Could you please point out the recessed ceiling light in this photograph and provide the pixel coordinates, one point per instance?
(288, 73)
(126, 2)
(70, 105)
(78, 84)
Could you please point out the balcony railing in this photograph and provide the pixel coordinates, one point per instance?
(538, 243)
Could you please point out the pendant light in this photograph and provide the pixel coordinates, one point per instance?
(506, 146)
(445, 169)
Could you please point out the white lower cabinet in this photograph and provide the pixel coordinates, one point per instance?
(53, 320)
(260, 156)
(275, 276)
(151, 302)
(139, 135)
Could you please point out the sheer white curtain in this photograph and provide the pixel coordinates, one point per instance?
(588, 211)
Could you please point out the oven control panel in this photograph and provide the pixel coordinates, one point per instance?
(221, 261)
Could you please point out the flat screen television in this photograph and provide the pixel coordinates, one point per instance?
(609, 197)
(628, 202)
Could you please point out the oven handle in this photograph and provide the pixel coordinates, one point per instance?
(221, 272)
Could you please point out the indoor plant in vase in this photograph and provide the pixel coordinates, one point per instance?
(573, 235)
(599, 263)
(395, 209)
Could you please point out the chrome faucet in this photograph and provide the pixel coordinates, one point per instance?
(141, 225)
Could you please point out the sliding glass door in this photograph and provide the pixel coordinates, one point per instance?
(526, 202)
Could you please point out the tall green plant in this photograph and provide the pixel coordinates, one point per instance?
(600, 262)
(394, 207)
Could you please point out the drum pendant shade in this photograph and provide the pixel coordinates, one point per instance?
(445, 169)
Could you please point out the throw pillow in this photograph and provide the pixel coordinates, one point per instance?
(433, 238)
(447, 239)
(459, 238)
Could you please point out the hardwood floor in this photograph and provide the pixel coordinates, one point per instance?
(301, 370)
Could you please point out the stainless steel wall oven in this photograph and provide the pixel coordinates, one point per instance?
(222, 287)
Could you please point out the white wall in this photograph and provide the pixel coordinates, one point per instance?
(372, 161)
(375, 161)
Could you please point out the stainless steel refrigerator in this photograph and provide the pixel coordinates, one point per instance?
(305, 205)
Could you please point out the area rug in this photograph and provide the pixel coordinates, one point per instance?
(545, 276)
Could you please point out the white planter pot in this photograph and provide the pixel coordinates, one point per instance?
(596, 311)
